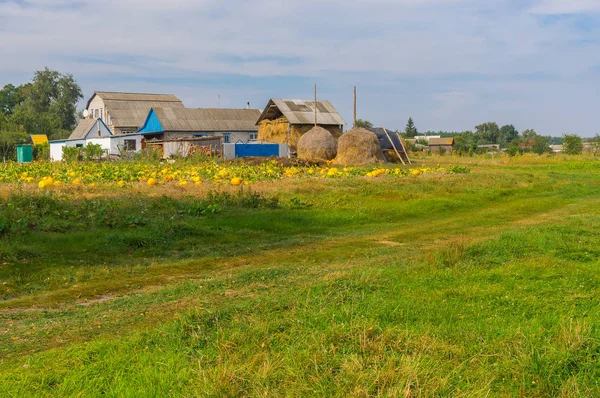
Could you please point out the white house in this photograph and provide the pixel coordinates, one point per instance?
(91, 131)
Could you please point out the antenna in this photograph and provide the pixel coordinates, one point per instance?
(315, 105)
(354, 106)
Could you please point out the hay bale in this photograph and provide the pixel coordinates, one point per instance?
(276, 131)
(359, 146)
(317, 145)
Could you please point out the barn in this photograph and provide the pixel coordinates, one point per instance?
(231, 125)
(285, 121)
(441, 145)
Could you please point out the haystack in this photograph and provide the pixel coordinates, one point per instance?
(359, 146)
(317, 145)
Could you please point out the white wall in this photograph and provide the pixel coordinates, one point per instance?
(56, 148)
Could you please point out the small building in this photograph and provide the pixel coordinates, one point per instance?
(441, 145)
(426, 137)
(231, 125)
(90, 131)
(285, 121)
(489, 147)
(556, 148)
(124, 113)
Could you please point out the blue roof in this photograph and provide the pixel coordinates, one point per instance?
(152, 124)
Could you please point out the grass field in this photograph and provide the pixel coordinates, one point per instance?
(458, 285)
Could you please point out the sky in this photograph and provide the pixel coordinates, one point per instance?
(448, 64)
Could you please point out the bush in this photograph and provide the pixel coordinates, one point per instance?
(572, 144)
(70, 153)
(92, 151)
(41, 151)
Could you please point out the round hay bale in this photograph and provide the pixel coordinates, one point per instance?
(317, 145)
(359, 146)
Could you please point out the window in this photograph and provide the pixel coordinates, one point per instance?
(100, 113)
(253, 136)
(78, 145)
(129, 145)
(226, 138)
(96, 113)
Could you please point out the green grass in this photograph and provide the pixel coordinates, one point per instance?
(483, 284)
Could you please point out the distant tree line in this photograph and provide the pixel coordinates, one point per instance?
(468, 142)
(46, 105)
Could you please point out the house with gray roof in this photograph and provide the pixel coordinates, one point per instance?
(124, 113)
(232, 125)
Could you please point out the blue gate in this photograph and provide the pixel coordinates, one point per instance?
(262, 150)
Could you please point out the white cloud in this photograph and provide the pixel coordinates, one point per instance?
(553, 7)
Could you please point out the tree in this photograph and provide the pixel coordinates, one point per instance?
(488, 132)
(507, 134)
(365, 124)
(465, 143)
(595, 144)
(528, 134)
(11, 96)
(56, 94)
(9, 139)
(410, 131)
(47, 105)
(572, 144)
(541, 144)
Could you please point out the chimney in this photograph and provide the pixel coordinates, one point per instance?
(248, 105)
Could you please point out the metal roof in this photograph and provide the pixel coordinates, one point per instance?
(84, 126)
(129, 110)
(302, 112)
(207, 119)
(441, 141)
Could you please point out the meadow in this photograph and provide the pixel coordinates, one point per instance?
(454, 277)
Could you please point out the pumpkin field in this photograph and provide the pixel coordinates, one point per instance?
(451, 277)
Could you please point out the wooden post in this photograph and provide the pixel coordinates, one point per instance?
(315, 105)
(404, 147)
(354, 107)
(393, 145)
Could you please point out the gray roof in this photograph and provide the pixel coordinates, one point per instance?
(207, 119)
(302, 112)
(131, 109)
(84, 126)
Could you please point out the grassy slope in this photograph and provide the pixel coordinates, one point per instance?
(458, 285)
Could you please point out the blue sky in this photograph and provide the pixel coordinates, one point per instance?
(450, 64)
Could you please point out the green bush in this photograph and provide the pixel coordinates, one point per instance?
(92, 151)
(41, 151)
(71, 153)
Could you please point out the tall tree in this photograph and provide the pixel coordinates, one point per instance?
(410, 131)
(488, 132)
(11, 96)
(507, 134)
(365, 124)
(572, 144)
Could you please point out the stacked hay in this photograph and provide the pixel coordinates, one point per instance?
(317, 145)
(359, 146)
(276, 131)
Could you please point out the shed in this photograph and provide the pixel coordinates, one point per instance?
(441, 145)
(285, 121)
